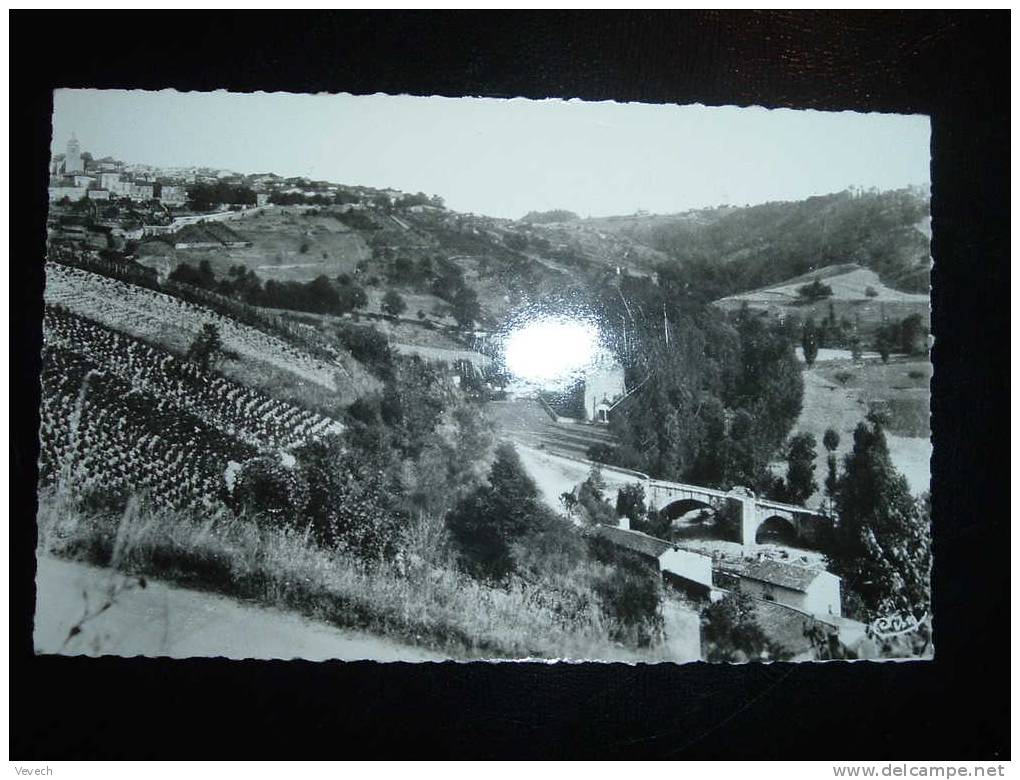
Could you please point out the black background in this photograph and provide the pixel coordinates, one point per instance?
(954, 67)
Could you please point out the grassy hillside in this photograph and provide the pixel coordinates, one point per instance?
(757, 246)
(731, 250)
(858, 295)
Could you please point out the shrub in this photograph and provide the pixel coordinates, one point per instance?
(871, 292)
(496, 515)
(393, 303)
(349, 508)
(730, 632)
(104, 500)
(814, 291)
(630, 502)
(369, 347)
(206, 346)
(843, 376)
(601, 453)
(629, 590)
(265, 488)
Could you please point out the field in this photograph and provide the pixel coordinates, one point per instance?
(121, 415)
(850, 285)
(902, 386)
(277, 237)
(838, 394)
(253, 357)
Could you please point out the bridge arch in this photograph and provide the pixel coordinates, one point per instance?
(777, 528)
(682, 506)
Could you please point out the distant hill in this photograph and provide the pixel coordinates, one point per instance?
(761, 245)
(731, 250)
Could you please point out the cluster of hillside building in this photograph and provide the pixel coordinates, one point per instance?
(75, 175)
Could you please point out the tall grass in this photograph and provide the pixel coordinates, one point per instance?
(421, 598)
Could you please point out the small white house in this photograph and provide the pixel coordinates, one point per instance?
(689, 570)
(603, 387)
(814, 591)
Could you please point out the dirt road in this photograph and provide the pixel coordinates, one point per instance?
(165, 620)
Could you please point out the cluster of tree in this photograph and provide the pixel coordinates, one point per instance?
(369, 347)
(830, 333)
(437, 275)
(204, 197)
(393, 303)
(714, 397)
(799, 484)
(516, 272)
(909, 336)
(588, 502)
(630, 503)
(330, 491)
(881, 544)
(545, 217)
(418, 199)
(501, 529)
(443, 278)
(732, 250)
(730, 632)
(320, 295)
(815, 291)
(340, 198)
(414, 446)
(358, 220)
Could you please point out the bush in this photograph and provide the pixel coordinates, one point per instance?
(100, 500)
(497, 515)
(369, 347)
(843, 376)
(814, 291)
(266, 489)
(601, 453)
(206, 347)
(629, 590)
(630, 502)
(730, 632)
(871, 292)
(393, 303)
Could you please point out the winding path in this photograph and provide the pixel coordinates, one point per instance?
(165, 620)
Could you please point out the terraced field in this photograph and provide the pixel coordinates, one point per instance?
(173, 323)
(118, 413)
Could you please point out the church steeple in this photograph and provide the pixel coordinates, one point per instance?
(73, 161)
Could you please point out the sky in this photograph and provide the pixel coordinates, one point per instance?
(504, 158)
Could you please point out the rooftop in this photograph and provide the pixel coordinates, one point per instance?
(635, 540)
(785, 575)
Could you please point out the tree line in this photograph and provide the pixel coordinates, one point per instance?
(714, 395)
(744, 249)
(320, 295)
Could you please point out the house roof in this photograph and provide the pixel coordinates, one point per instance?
(784, 575)
(635, 540)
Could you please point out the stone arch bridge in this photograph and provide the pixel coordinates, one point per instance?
(749, 512)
